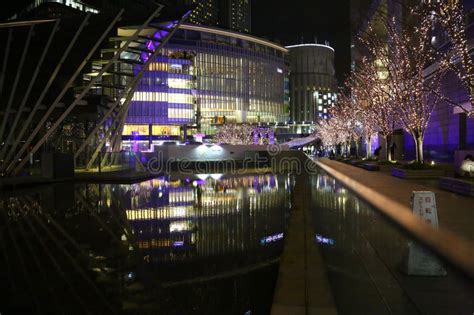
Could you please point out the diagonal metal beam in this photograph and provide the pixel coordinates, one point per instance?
(30, 87)
(133, 85)
(15, 83)
(5, 60)
(37, 105)
(79, 98)
(59, 97)
(117, 129)
(108, 133)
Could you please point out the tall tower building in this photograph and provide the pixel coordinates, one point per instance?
(233, 15)
(206, 12)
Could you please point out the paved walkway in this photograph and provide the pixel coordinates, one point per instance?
(302, 287)
(455, 212)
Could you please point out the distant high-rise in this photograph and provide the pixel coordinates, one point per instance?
(235, 15)
(229, 14)
(206, 12)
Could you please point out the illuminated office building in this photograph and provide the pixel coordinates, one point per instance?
(206, 12)
(234, 15)
(312, 81)
(204, 78)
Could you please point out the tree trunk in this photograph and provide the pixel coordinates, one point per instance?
(388, 149)
(369, 147)
(419, 148)
(357, 148)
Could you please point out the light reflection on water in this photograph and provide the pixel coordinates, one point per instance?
(172, 246)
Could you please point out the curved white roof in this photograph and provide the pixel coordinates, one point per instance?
(219, 31)
(309, 45)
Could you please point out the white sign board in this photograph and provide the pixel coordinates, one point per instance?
(419, 260)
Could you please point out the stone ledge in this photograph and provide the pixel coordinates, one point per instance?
(302, 286)
(457, 185)
(369, 167)
(416, 174)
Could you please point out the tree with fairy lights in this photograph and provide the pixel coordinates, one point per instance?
(235, 134)
(340, 129)
(369, 85)
(345, 115)
(362, 106)
(406, 52)
(449, 15)
(326, 132)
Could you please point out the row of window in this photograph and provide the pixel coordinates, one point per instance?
(157, 130)
(173, 98)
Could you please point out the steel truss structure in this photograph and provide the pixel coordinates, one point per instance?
(23, 124)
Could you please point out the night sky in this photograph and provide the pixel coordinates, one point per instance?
(287, 22)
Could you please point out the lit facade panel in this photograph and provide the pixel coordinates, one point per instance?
(234, 15)
(208, 76)
(313, 83)
(164, 94)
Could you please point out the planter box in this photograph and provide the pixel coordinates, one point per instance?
(457, 185)
(386, 168)
(369, 166)
(416, 174)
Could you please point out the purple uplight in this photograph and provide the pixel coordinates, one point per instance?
(324, 240)
(178, 243)
(271, 238)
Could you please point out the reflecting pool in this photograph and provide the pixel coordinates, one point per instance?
(202, 244)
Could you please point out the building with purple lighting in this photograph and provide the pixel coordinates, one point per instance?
(203, 78)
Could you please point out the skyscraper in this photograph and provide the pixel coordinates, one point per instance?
(206, 12)
(235, 15)
(229, 14)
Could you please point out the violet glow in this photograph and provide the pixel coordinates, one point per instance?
(271, 238)
(178, 244)
(324, 240)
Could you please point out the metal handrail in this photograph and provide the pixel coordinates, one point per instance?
(447, 245)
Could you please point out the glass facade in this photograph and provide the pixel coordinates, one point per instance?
(206, 11)
(207, 76)
(234, 15)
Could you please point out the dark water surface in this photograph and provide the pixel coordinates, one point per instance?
(206, 244)
(203, 244)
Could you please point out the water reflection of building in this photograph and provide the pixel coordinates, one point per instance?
(206, 217)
